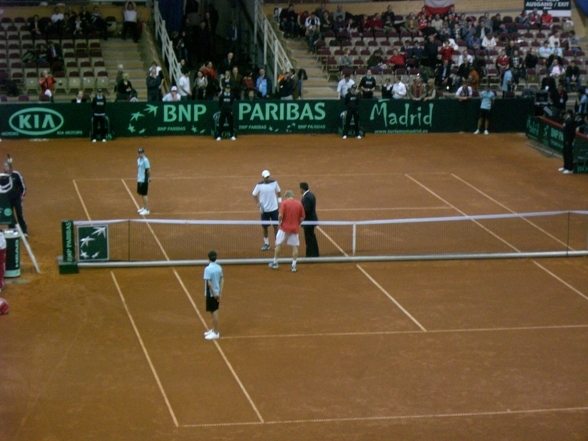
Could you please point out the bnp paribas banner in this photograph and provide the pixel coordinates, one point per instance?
(197, 118)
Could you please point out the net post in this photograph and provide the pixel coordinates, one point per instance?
(354, 239)
(67, 262)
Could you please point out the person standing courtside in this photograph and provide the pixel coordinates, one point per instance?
(352, 106)
(309, 204)
(16, 195)
(569, 133)
(225, 101)
(143, 180)
(267, 195)
(487, 97)
(213, 288)
(290, 218)
(99, 119)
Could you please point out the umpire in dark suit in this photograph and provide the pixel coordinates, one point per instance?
(309, 204)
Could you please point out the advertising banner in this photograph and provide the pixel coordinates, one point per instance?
(197, 118)
(557, 8)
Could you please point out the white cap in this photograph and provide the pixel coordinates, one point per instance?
(174, 88)
(265, 174)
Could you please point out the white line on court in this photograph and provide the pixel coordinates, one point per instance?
(463, 213)
(495, 235)
(407, 417)
(153, 371)
(508, 209)
(371, 279)
(230, 367)
(435, 331)
(81, 200)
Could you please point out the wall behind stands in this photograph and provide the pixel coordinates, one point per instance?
(27, 12)
(260, 117)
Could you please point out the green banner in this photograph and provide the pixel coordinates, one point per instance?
(546, 132)
(92, 243)
(67, 234)
(260, 117)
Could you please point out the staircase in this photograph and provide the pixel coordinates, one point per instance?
(317, 87)
(128, 54)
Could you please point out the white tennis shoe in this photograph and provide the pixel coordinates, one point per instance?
(144, 212)
(212, 336)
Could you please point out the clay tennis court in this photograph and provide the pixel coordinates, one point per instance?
(428, 350)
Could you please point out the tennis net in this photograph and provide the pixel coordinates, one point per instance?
(164, 242)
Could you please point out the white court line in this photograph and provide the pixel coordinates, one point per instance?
(371, 279)
(434, 331)
(153, 371)
(235, 376)
(81, 200)
(536, 226)
(463, 213)
(408, 417)
(508, 209)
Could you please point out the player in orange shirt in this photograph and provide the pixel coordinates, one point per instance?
(290, 218)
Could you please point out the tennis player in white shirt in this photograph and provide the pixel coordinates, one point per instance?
(268, 197)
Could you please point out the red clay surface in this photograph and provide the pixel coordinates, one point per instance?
(441, 350)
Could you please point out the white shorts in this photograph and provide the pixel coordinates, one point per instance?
(290, 238)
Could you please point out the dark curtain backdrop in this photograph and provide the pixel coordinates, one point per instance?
(172, 12)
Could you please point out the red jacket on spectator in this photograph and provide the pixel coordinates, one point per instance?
(397, 61)
(375, 23)
(446, 52)
(502, 61)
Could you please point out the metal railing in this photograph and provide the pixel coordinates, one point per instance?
(167, 47)
(272, 48)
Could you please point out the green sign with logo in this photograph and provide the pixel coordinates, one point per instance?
(194, 118)
(92, 243)
(545, 132)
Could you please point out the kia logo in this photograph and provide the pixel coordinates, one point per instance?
(36, 121)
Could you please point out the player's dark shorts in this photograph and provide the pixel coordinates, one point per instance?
(142, 188)
(211, 304)
(485, 113)
(270, 215)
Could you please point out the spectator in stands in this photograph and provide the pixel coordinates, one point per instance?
(465, 92)
(572, 77)
(54, 52)
(507, 82)
(172, 96)
(446, 52)
(545, 51)
(387, 89)
(344, 85)
(443, 77)
(124, 90)
(130, 21)
(553, 39)
(339, 13)
(77, 27)
(430, 90)
(410, 25)
(583, 106)
(200, 86)
(203, 36)
(208, 70)
(498, 25)
(312, 21)
(502, 61)
(321, 10)
(367, 85)
(430, 52)
(313, 34)
(489, 42)
(559, 98)
(437, 22)
(248, 83)
(57, 20)
(35, 28)
(79, 98)
(225, 80)
(346, 60)
(474, 78)
(326, 24)
(85, 16)
(531, 59)
(47, 82)
(228, 63)
(153, 81)
(445, 33)
(288, 21)
(250, 95)
(302, 23)
(522, 19)
(573, 42)
(286, 86)
(375, 22)
(397, 60)
(339, 25)
(463, 72)
(263, 85)
(236, 82)
(100, 24)
(463, 57)
(511, 46)
(417, 90)
(398, 89)
(534, 18)
(376, 61)
(556, 70)
(184, 89)
(546, 19)
(181, 46)
(518, 67)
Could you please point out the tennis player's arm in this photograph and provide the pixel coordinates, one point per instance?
(211, 289)
(221, 286)
(148, 174)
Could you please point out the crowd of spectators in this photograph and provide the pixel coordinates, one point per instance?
(452, 49)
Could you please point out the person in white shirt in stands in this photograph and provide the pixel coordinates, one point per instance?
(399, 89)
(344, 85)
(173, 95)
(464, 92)
(311, 21)
(184, 89)
(556, 70)
(57, 16)
(130, 21)
(464, 56)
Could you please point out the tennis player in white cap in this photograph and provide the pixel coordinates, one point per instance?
(268, 197)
